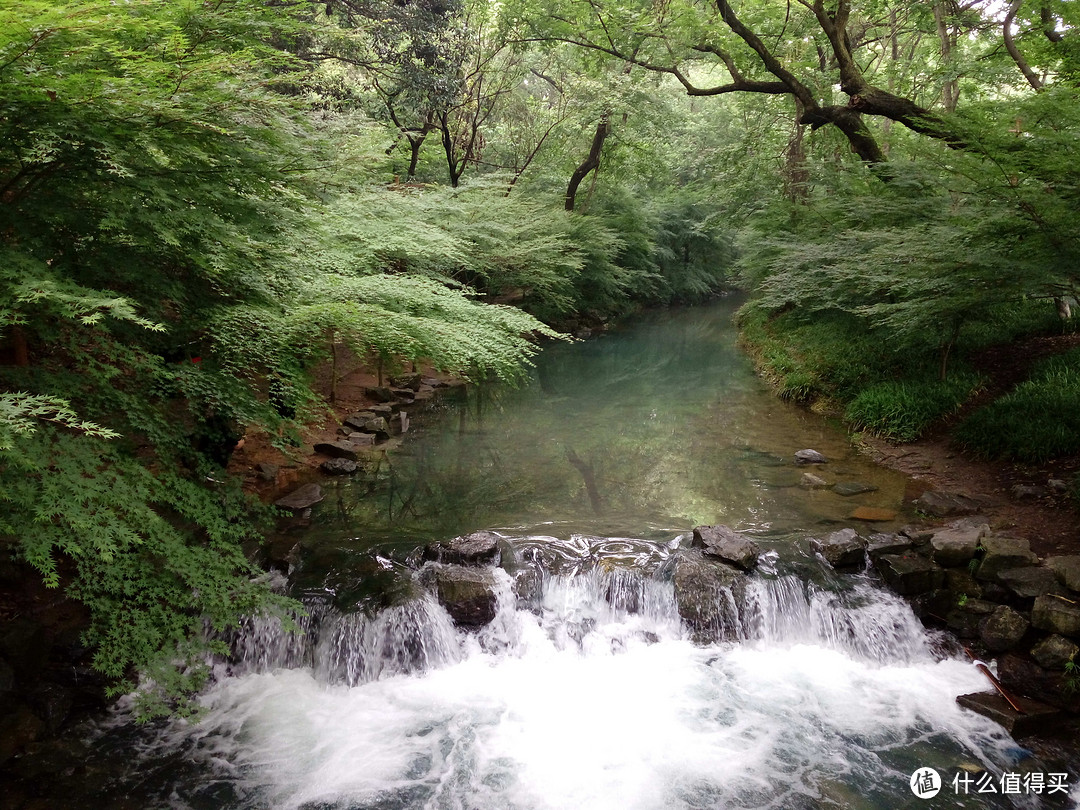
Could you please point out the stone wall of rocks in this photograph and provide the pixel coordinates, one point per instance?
(989, 589)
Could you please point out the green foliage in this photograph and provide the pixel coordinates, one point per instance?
(903, 410)
(1037, 421)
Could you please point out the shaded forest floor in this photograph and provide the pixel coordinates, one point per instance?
(1051, 521)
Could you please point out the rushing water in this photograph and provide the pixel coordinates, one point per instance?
(586, 690)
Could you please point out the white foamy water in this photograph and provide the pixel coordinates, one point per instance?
(830, 700)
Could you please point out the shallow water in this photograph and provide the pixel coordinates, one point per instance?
(587, 692)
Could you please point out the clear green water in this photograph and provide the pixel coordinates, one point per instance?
(665, 416)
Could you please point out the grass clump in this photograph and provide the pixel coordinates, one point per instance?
(902, 410)
(1037, 421)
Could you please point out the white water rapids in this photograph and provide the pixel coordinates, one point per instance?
(831, 697)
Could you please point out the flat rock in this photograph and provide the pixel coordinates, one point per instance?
(1003, 629)
(1054, 652)
(809, 457)
(874, 514)
(357, 420)
(1003, 554)
(1038, 718)
(361, 439)
(1067, 570)
(920, 535)
(910, 574)
(268, 472)
(953, 547)
(339, 449)
(842, 549)
(943, 504)
(382, 409)
(811, 481)
(478, 548)
(849, 488)
(1028, 583)
(338, 466)
(882, 543)
(709, 597)
(1056, 616)
(302, 498)
(726, 544)
(379, 393)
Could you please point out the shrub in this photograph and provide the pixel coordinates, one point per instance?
(903, 410)
(1038, 420)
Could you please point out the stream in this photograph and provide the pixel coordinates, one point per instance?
(587, 689)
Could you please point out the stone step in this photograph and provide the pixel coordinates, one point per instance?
(1038, 718)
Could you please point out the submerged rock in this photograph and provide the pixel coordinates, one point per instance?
(842, 549)
(849, 488)
(874, 514)
(726, 544)
(811, 481)
(302, 498)
(478, 548)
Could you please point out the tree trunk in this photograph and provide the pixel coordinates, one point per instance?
(590, 163)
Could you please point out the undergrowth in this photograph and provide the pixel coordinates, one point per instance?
(1037, 421)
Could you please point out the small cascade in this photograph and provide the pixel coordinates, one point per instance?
(408, 638)
(862, 620)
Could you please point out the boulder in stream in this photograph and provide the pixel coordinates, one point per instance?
(467, 593)
(842, 549)
(726, 544)
(478, 548)
(809, 457)
(709, 596)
